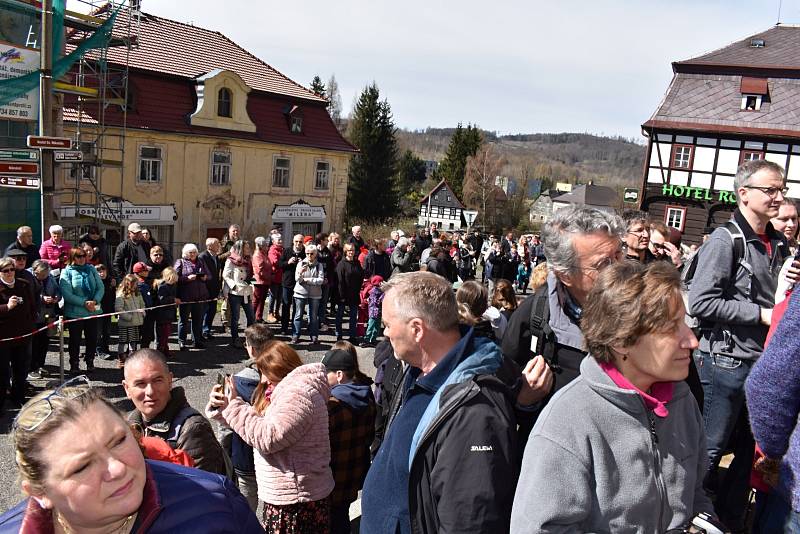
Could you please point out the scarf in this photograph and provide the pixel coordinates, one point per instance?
(242, 261)
(87, 280)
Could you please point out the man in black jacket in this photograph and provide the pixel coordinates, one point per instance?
(288, 262)
(210, 258)
(130, 252)
(24, 243)
(449, 460)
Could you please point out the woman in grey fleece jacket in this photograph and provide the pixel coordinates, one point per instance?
(621, 448)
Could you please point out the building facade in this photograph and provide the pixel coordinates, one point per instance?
(738, 103)
(441, 206)
(212, 136)
(598, 197)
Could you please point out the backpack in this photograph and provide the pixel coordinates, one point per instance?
(543, 339)
(688, 271)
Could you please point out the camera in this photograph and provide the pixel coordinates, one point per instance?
(702, 523)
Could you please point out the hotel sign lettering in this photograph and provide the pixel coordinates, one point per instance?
(698, 193)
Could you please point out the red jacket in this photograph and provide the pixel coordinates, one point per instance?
(274, 256)
(262, 268)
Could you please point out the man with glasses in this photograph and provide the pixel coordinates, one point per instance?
(130, 252)
(637, 236)
(734, 300)
(579, 243)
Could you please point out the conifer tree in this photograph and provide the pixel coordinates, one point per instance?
(463, 144)
(318, 87)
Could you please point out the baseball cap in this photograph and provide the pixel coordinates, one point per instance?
(140, 267)
(135, 228)
(338, 360)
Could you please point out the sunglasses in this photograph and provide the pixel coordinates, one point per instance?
(35, 413)
(9, 270)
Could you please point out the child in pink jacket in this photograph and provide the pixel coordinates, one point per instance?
(287, 426)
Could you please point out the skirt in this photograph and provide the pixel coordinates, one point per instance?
(299, 518)
(128, 334)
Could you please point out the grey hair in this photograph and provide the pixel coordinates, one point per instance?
(276, 237)
(146, 354)
(424, 295)
(631, 217)
(745, 172)
(261, 242)
(56, 229)
(210, 241)
(558, 233)
(239, 246)
(187, 248)
(402, 242)
(23, 229)
(39, 266)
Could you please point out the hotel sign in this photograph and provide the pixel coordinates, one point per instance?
(698, 193)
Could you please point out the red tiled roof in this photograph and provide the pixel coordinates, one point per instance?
(164, 103)
(171, 47)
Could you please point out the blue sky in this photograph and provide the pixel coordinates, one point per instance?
(510, 66)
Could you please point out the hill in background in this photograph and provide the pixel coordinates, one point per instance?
(564, 157)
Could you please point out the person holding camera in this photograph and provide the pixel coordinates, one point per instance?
(309, 277)
(192, 291)
(17, 314)
(288, 263)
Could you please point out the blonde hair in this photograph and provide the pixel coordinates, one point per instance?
(132, 283)
(168, 275)
(539, 276)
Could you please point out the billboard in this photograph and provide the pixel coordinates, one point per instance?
(16, 61)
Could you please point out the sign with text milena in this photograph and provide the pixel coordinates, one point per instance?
(16, 61)
(299, 211)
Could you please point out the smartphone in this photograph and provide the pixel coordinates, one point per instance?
(221, 379)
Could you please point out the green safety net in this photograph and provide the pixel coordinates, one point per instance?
(14, 88)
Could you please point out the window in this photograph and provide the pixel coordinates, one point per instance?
(297, 124)
(84, 170)
(675, 217)
(751, 102)
(149, 164)
(280, 173)
(448, 198)
(224, 99)
(440, 211)
(682, 156)
(323, 171)
(452, 213)
(220, 167)
(751, 155)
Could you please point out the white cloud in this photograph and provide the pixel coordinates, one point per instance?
(510, 66)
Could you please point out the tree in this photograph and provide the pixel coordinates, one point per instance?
(479, 188)
(334, 102)
(463, 144)
(372, 193)
(410, 172)
(318, 87)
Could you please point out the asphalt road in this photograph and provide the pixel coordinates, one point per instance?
(194, 370)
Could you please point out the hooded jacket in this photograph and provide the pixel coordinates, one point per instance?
(598, 460)
(462, 459)
(79, 284)
(291, 441)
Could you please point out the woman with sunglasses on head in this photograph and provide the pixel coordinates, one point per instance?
(158, 261)
(83, 471)
(17, 315)
(82, 289)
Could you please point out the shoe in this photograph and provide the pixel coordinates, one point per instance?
(367, 344)
(295, 340)
(89, 367)
(181, 345)
(314, 340)
(36, 374)
(339, 338)
(356, 341)
(208, 335)
(323, 328)
(102, 353)
(271, 319)
(189, 342)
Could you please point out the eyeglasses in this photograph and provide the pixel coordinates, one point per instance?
(605, 262)
(9, 270)
(771, 192)
(643, 231)
(80, 256)
(35, 413)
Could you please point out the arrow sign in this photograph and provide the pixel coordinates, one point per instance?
(8, 153)
(13, 167)
(21, 182)
(68, 155)
(39, 141)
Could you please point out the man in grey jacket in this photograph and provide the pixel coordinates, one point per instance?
(733, 301)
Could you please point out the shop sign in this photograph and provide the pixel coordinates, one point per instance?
(16, 61)
(698, 193)
(126, 213)
(299, 211)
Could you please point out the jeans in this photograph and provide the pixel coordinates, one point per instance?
(15, 358)
(286, 301)
(724, 416)
(774, 515)
(323, 303)
(260, 292)
(299, 309)
(248, 487)
(39, 346)
(147, 330)
(196, 309)
(352, 310)
(236, 302)
(103, 333)
(208, 316)
(275, 299)
(87, 329)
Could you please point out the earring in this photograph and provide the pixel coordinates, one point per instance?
(624, 357)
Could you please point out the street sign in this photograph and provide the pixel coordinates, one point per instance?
(21, 182)
(45, 142)
(14, 167)
(68, 155)
(631, 194)
(469, 216)
(11, 153)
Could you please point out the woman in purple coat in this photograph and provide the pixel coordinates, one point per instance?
(191, 294)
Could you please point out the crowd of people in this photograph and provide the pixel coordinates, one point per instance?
(603, 402)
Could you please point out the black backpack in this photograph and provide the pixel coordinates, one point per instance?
(543, 339)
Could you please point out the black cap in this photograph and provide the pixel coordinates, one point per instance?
(15, 253)
(338, 360)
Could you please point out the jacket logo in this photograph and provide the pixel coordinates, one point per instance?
(480, 448)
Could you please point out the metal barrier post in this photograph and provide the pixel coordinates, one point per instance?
(61, 349)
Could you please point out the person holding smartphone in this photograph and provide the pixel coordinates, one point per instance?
(192, 292)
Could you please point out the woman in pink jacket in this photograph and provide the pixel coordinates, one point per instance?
(55, 251)
(287, 426)
(262, 274)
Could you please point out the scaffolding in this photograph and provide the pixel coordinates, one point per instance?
(95, 99)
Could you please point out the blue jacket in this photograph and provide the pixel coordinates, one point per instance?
(76, 291)
(176, 500)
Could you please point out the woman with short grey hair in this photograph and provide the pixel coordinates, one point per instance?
(192, 291)
(46, 312)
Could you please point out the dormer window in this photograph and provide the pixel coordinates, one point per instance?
(297, 124)
(754, 91)
(224, 102)
(751, 102)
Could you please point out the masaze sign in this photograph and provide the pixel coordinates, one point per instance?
(698, 193)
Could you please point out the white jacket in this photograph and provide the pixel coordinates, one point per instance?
(235, 279)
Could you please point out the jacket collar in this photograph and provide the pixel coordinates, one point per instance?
(750, 234)
(564, 326)
(162, 422)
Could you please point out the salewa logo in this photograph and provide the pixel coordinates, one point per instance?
(480, 448)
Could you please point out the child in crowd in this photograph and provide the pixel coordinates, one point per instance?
(128, 299)
(166, 290)
(142, 272)
(523, 277)
(504, 299)
(374, 306)
(107, 304)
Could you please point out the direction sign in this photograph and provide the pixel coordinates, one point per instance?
(46, 142)
(631, 194)
(14, 167)
(21, 182)
(11, 153)
(67, 155)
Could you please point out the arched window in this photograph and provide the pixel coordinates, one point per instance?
(224, 100)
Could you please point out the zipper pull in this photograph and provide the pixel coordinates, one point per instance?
(652, 427)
